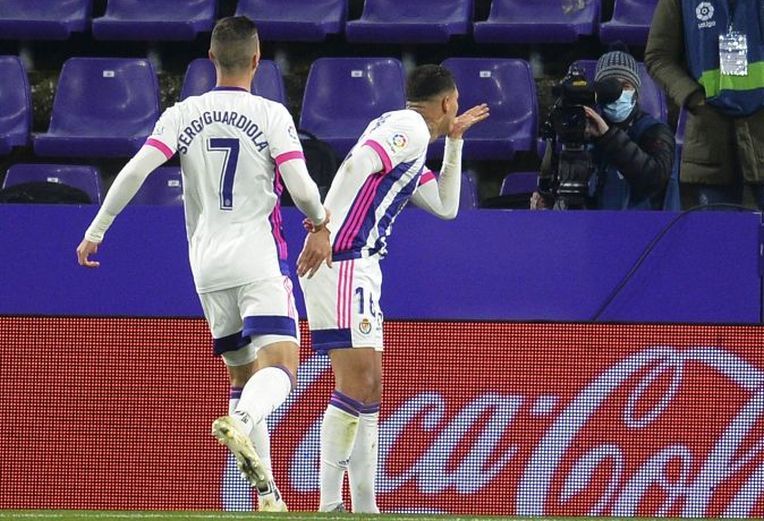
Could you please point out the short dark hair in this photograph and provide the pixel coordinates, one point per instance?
(428, 81)
(232, 43)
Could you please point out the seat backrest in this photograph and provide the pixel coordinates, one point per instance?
(651, 97)
(15, 105)
(420, 11)
(519, 183)
(342, 90)
(292, 9)
(540, 9)
(200, 78)
(170, 9)
(112, 97)
(507, 86)
(163, 187)
(44, 9)
(634, 11)
(85, 178)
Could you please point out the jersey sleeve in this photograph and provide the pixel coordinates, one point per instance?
(165, 135)
(401, 141)
(283, 141)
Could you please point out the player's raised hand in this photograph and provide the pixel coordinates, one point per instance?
(470, 117)
(84, 251)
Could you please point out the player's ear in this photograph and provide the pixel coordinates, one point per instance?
(210, 55)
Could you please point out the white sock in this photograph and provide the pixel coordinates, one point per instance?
(264, 393)
(338, 434)
(362, 471)
(234, 394)
(260, 437)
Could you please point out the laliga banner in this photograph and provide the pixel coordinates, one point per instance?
(477, 418)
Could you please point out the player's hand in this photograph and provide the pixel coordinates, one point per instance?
(316, 251)
(595, 125)
(462, 123)
(84, 251)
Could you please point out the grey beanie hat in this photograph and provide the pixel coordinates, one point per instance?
(618, 64)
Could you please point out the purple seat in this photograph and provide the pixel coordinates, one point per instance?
(508, 88)
(423, 21)
(85, 178)
(164, 187)
(651, 97)
(342, 95)
(103, 108)
(43, 19)
(295, 20)
(200, 78)
(630, 23)
(15, 105)
(680, 126)
(519, 183)
(155, 20)
(537, 21)
(468, 197)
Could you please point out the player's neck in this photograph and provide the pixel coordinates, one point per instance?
(423, 111)
(239, 82)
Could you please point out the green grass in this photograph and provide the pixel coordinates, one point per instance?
(118, 515)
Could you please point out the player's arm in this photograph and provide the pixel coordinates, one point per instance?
(124, 188)
(301, 187)
(440, 196)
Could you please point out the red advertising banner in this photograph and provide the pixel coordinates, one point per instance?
(477, 418)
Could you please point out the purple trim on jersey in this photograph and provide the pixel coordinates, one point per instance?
(324, 340)
(154, 142)
(268, 325)
(275, 220)
(427, 176)
(240, 89)
(228, 343)
(387, 164)
(288, 156)
(234, 393)
(400, 200)
(358, 209)
(358, 231)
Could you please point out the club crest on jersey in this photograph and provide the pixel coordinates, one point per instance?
(398, 142)
(365, 326)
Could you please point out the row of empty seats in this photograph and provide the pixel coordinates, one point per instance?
(107, 107)
(382, 21)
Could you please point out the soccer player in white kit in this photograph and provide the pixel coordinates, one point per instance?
(235, 148)
(383, 171)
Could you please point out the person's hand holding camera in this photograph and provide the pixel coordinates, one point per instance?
(595, 125)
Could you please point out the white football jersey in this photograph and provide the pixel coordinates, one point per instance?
(230, 144)
(363, 210)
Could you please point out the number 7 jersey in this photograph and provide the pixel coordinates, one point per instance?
(230, 144)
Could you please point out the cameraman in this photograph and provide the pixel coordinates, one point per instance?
(632, 153)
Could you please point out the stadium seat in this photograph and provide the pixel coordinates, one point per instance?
(680, 126)
(15, 105)
(651, 97)
(342, 95)
(164, 187)
(102, 108)
(85, 178)
(423, 21)
(43, 19)
(295, 20)
(507, 86)
(519, 183)
(155, 20)
(468, 197)
(630, 23)
(537, 21)
(200, 78)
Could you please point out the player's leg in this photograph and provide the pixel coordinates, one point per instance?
(344, 323)
(222, 313)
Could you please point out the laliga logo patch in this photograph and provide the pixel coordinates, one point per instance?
(705, 12)
(365, 326)
(292, 133)
(398, 142)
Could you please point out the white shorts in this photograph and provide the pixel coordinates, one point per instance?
(343, 305)
(262, 311)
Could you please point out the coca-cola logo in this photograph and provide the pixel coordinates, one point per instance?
(626, 443)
